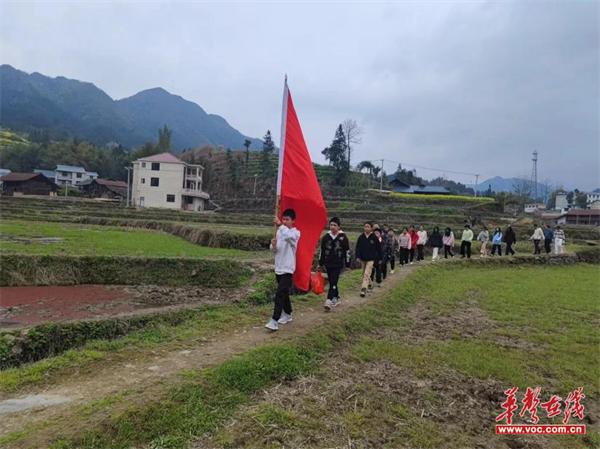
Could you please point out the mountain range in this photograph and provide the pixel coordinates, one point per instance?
(500, 184)
(67, 107)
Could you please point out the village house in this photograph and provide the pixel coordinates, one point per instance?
(72, 175)
(580, 217)
(163, 180)
(104, 188)
(403, 187)
(16, 184)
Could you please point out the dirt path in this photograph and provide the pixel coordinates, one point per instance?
(114, 378)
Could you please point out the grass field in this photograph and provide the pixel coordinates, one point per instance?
(20, 237)
(425, 366)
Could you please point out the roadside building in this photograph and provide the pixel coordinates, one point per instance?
(163, 180)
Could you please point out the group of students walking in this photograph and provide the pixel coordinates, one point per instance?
(377, 249)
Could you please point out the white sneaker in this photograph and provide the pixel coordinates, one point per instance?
(272, 325)
(335, 302)
(391, 271)
(328, 304)
(285, 318)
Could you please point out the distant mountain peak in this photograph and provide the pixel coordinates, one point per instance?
(80, 109)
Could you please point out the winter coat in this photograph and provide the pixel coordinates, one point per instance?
(334, 250)
(497, 238)
(435, 240)
(448, 240)
(368, 248)
(509, 236)
(483, 236)
(405, 241)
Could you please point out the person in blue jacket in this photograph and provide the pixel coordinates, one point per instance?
(497, 242)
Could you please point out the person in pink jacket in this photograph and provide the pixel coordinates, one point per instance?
(448, 240)
(404, 242)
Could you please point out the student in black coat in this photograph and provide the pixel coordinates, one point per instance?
(510, 238)
(368, 250)
(334, 254)
(436, 243)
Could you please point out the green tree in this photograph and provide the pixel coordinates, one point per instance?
(268, 149)
(164, 139)
(581, 200)
(247, 143)
(337, 156)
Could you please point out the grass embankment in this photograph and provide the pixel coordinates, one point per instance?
(27, 237)
(521, 326)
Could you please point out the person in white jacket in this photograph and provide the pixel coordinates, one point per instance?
(284, 246)
(537, 237)
(421, 241)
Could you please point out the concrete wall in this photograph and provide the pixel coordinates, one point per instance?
(170, 177)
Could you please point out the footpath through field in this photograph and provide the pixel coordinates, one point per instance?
(18, 411)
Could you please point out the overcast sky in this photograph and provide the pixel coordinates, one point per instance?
(460, 86)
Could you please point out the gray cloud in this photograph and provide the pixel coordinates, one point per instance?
(469, 86)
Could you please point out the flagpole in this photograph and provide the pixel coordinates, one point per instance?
(281, 149)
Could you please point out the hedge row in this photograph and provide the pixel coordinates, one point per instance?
(20, 270)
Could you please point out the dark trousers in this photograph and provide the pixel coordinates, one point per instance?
(465, 249)
(547, 244)
(536, 247)
(509, 249)
(499, 248)
(404, 255)
(412, 253)
(384, 263)
(282, 295)
(392, 261)
(420, 255)
(448, 250)
(333, 275)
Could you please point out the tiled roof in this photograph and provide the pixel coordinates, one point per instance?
(108, 182)
(162, 157)
(19, 176)
(72, 168)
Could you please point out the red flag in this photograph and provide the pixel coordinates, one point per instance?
(298, 189)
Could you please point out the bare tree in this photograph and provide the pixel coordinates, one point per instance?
(522, 188)
(353, 133)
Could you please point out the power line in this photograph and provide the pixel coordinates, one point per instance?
(441, 170)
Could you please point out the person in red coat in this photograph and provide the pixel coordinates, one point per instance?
(414, 237)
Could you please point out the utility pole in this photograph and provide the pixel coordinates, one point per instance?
(476, 182)
(254, 190)
(381, 177)
(127, 202)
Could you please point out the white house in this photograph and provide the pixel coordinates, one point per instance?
(163, 180)
(561, 202)
(72, 175)
(593, 196)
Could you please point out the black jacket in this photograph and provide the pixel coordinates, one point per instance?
(435, 240)
(368, 248)
(334, 251)
(510, 236)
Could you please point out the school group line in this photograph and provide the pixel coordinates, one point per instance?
(377, 248)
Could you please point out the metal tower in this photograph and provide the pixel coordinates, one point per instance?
(534, 175)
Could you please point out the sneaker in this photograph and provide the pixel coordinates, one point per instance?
(328, 304)
(272, 325)
(363, 292)
(379, 284)
(285, 318)
(391, 271)
(335, 302)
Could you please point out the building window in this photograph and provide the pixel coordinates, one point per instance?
(154, 182)
(143, 180)
(155, 166)
(79, 175)
(143, 165)
(170, 198)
